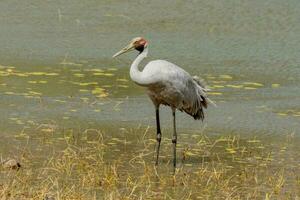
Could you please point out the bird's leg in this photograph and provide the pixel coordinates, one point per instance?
(158, 135)
(174, 139)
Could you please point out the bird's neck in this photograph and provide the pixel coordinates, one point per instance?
(135, 74)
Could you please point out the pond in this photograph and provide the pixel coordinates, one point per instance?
(62, 92)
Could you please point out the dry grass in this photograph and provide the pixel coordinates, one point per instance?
(97, 165)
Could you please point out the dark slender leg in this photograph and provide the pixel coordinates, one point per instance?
(174, 139)
(158, 135)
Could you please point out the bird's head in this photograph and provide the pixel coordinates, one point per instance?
(137, 43)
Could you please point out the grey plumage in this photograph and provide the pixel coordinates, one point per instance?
(176, 88)
(169, 85)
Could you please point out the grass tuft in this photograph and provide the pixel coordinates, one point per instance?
(100, 165)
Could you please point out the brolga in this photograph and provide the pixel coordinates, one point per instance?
(169, 85)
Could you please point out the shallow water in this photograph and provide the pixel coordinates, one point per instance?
(247, 52)
(56, 68)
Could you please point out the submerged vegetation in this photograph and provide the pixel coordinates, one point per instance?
(77, 78)
(95, 164)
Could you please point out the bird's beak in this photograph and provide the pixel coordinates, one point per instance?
(124, 50)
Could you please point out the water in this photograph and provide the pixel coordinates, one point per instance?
(56, 66)
(249, 41)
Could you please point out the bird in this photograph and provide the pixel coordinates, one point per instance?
(169, 85)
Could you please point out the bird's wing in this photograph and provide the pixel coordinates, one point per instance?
(181, 90)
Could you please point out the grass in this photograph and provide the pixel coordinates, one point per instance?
(97, 164)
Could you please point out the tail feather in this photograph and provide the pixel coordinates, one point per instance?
(201, 82)
(199, 114)
(197, 109)
(203, 89)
